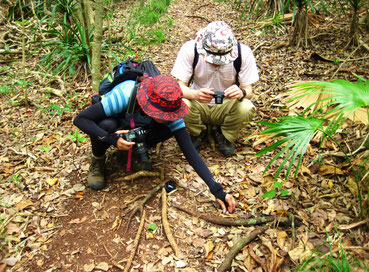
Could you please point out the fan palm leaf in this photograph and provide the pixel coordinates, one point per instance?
(297, 131)
(351, 100)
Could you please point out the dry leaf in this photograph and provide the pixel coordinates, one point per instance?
(20, 206)
(62, 233)
(78, 221)
(12, 228)
(209, 246)
(329, 170)
(180, 264)
(281, 239)
(299, 254)
(52, 181)
(88, 267)
(103, 266)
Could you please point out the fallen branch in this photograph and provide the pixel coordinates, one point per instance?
(166, 226)
(138, 206)
(225, 221)
(139, 174)
(226, 265)
(137, 240)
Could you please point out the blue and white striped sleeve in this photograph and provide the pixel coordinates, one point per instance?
(175, 125)
(116, 101)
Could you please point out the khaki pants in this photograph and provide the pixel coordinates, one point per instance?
(230, 116)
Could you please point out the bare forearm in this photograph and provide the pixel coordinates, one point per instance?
(187, 91)
(248, 89)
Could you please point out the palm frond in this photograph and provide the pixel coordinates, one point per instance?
(351, 99)
(297, 131)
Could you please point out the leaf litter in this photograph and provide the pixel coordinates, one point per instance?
(52, 222)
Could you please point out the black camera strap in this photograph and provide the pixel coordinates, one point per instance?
(132, 100)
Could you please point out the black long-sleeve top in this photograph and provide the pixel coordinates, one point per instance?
(87, 121)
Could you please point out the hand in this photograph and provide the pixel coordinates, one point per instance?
(123, 144)
(230, 201)
(233, 92)
(204, 95)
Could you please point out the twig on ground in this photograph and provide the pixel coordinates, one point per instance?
(352, 53)
(113, 261)
(138, 206)
(341, 154)
(166, 226)
(354, 225)
(136, 242)
(293, 231)
(199, 17)
(138, 175)
(133, 200)
(226, 265)
(259, 45)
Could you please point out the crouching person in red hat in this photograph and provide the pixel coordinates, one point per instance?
(157, 116)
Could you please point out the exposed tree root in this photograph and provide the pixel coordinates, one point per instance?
(225, 221)
(138, 175)
(226, 265)
(138, 206)
(166, 226)
(137, 240)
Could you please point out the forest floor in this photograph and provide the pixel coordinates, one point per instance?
(51, 222)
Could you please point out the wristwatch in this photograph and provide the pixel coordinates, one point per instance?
(244, 94)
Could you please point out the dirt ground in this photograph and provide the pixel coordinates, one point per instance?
(60, 225)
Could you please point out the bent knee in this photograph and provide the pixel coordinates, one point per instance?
(246, 109)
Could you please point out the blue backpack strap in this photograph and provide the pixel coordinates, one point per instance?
(237, 64)
(195, 61)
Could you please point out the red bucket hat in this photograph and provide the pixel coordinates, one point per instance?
(161, 97)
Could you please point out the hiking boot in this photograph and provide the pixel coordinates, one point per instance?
(197, 140)
(96, 178)
(225, 147)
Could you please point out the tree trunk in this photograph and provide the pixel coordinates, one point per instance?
(86, 23)
(96, 45)
(300, 31)
(354, 29)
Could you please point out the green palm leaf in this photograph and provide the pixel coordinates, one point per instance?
(345, 97)
(297, 131)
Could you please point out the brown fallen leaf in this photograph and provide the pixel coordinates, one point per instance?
(329, 170)
(79, 195)
(78, 220)
(12, 228)
(62, 233)
(2, 267)
(281, 239)
(20, 206)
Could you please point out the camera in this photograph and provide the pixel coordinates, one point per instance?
(138, 135)
(218, 96)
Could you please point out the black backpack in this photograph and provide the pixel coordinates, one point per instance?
(236, 64)
(127, 70)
